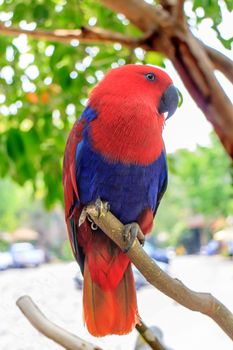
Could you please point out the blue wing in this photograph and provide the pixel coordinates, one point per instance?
(162, 182)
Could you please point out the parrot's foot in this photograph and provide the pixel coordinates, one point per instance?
(130, 233)
(101, 207)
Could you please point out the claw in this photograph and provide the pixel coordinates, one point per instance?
(94, 227)
(130, 233)
(106, 206)
(101, 207)
(83, 216)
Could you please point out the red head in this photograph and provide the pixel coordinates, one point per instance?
(130, 102)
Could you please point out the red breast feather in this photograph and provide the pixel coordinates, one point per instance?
(129, 126)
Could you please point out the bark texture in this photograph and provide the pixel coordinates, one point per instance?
(194, 61)
(165, 30)
(172, 287)
(66, 339)
(59, 335)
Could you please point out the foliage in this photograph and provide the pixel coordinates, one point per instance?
(4, 246)
(207, 178)
(212, 9)
(13, 204)
(66, 252)
(200, 182)
(44, 85)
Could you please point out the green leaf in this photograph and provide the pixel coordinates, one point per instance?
(40, 13)
(181, 99)
(20, 11)
(14, 145)
(196, 4)
(31, 144)
(154, 58)
(63, 76)
(229, 4)
(211, 10)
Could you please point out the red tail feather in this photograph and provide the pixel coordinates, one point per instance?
(112, 311)
(109, 295)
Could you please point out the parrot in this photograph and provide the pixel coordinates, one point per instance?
(115, 154)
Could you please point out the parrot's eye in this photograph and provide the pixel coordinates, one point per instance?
(150, 76)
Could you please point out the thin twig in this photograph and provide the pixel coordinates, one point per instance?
(85, 34)
(175, 289)
(149, 337)
(62, 337)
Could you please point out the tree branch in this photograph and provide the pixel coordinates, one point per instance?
(149, 337)
(143, 15)
(66, 339)
(197, 72)
(180, 16)
(62, 337)
(85, 34)
(175, 289)
(165, 34)
(194, 64)
(220, 61)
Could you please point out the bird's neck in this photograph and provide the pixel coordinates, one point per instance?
(131, 134)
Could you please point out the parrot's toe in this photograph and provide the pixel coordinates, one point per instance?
(130, 233)
(101, 207)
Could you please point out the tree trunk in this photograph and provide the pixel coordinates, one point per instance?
(166, 31)
(195, 62)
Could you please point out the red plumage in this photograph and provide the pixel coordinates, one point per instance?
(125, 127)
(69, 181)
(129, 113)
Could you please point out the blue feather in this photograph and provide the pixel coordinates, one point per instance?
(129, 189)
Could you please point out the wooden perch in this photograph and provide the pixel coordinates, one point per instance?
(149, 337)
(62, 337)
(175, 289)
(172, 287)
(66, 339)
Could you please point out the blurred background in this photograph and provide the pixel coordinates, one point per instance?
(44, 86)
